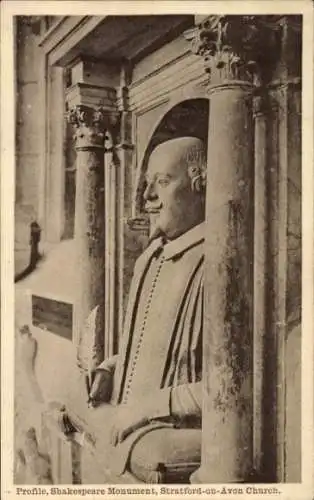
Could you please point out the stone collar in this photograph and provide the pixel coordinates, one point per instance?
(177, 247)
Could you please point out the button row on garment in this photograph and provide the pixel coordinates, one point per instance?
(143, 328)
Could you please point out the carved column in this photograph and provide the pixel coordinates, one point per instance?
(124, 155)
(281, 458)
(232, 47)
(92, 104)
(261, 110)
(89, 232)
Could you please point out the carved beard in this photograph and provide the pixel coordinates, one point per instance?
(157, 233)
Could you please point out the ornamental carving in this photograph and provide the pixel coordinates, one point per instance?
(91, 124)
(236, 48)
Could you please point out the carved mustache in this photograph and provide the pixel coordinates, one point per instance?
(151, 209)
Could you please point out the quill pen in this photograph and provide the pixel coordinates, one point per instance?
(89, 350)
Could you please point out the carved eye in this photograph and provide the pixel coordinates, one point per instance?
(163, 182)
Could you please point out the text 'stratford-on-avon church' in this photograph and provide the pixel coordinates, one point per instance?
(216, 397)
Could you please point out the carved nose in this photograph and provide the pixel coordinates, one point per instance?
(150, 193)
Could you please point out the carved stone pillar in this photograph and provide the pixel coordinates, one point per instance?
(89, 231)
(124, 155)
(281, 432)
(232, 48)
(92, 105)
(261, 110)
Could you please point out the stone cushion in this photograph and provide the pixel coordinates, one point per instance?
(166, 455)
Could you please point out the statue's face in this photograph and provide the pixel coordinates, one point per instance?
(172, 205)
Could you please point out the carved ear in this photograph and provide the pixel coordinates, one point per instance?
(198, 174)
(197, 184)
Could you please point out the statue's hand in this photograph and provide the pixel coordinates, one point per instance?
(101, 387)
(127, 419)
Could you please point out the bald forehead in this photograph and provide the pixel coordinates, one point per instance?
(171, 156)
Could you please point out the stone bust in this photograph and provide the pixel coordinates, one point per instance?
(154, 384)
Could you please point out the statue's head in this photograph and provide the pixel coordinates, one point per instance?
(175, 186)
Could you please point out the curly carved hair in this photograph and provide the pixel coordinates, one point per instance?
(196, 164)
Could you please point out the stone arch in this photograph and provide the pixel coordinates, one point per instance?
(187, 116)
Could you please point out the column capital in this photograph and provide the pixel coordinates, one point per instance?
(91, 125)
(238, 49)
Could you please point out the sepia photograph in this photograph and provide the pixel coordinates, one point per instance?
(158, 251)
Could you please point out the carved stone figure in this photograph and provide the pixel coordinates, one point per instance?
(32, 466)
(155, 380)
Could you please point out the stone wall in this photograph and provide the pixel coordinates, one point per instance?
(27, 137)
